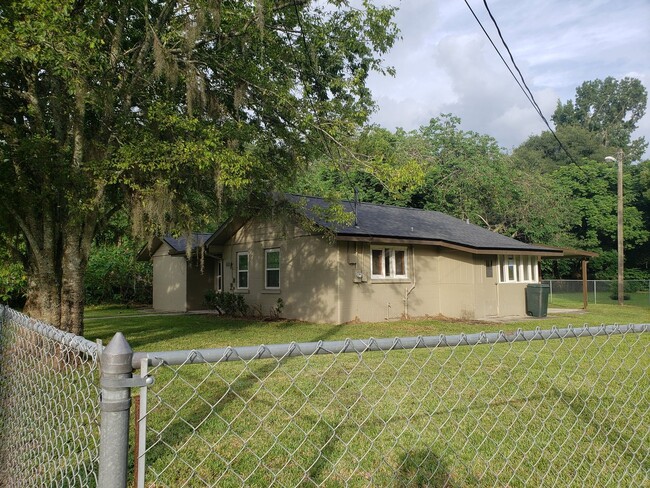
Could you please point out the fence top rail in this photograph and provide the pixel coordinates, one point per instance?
(69, 339)
(281, 351)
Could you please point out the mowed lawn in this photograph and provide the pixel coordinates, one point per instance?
(564, 413)
(147, 331)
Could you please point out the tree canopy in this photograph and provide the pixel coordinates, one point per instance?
(442, 167)
(610, 108)
(163, 105)
(601, 120)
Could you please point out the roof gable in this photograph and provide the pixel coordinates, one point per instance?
(177, 245)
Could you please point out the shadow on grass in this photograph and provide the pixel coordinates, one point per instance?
(179, 431)
(151, 333)
(143, 331)
(629, 446)
(423, 467)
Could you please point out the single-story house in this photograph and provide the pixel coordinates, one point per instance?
(390, 263)
(180, 278)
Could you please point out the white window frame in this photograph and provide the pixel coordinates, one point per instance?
(514, 268)
(388, 255)
(247, 270)
(267, 269)
(218, 275)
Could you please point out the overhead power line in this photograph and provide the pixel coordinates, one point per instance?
(522, 84)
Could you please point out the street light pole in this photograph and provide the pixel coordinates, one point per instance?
(619, 160)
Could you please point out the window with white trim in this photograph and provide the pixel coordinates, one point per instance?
(218, 276)
(272, 269)
(242, 270)
(518, 269)
(388, 262)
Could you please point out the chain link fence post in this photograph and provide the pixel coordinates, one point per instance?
(116, 373)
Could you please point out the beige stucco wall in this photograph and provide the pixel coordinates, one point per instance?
(441, 282)
(308, 271)
(169, 281)
(486, 303)
(512, 299)
(326, 281)
(374, 300)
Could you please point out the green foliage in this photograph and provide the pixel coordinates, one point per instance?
(227, 303)
(441, 167)
(13, 284)
(602, 119)
(593, 202)
(543, 153)
(114, 276)
(609, 108)
(378, 163)
(181, 111)
(469, 176)
(276, 310)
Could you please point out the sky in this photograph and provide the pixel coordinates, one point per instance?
(445, 63)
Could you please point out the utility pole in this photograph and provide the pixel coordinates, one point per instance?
(619, 161)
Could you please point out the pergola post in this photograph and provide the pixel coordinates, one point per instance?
(584, 283)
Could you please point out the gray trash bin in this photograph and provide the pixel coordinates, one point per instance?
(537, 299)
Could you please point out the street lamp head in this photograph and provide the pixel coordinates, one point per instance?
(611, 159)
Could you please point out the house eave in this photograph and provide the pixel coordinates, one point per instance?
(543, 251)
(225, 232)
(149, 249)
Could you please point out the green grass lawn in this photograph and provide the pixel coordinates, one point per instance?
(574, 299)
(146, 331)
(563, 413)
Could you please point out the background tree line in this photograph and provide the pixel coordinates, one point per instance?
(121, 120)
(543, 192)
(539, 193)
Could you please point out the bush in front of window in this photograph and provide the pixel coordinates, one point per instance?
(226, 303)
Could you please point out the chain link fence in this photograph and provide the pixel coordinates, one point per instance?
(556, 407)
(49, 410)
(569, 292)
(559, 407)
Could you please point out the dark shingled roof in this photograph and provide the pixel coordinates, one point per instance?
(178, 246)
(385, 221)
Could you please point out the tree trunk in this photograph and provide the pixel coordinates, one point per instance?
(43, 289)
(43, 297)
(56, 292)
(74, 264)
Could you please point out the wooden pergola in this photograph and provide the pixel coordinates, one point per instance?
(568, 253)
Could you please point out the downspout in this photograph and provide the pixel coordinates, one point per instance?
(338, 283)
(408, 292)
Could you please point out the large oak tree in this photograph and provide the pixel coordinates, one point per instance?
(168, 106)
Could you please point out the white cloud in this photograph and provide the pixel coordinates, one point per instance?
(445, 63)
